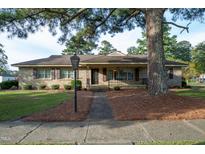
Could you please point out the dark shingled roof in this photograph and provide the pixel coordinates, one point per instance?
(91, 59)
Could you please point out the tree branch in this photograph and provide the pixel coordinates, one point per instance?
(133, 14)
(136, 12)
(100, 24)
(27, 16)
(71, 18)
(179, 26)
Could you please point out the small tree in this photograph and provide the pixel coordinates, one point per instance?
(106, 48)
(132, 50)
(3, 59)
(198, 54)
(190, 71)
(182, 51)
(80, 45)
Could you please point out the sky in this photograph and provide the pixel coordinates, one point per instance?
(42, 44)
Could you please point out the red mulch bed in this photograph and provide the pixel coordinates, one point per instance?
(64, 112)
(136, 104)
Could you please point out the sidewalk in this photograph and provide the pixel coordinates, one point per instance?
(100, 132)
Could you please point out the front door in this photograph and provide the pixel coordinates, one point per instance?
(94, 76)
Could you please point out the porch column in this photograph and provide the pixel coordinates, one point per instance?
(88, 77)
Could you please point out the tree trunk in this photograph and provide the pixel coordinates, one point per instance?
(157, 76)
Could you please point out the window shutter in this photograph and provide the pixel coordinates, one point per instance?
(34, 73)
(53, 74)
(57, 74)
(171, 73)
(104, 74)
(137, 74)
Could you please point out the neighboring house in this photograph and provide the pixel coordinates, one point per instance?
(116, 68)
(202, 78)
(6, 78)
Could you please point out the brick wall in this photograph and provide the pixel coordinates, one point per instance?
(26, 77)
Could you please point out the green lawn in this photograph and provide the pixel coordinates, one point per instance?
(195, 92)
(15, 104)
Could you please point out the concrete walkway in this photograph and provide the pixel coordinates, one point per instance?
(100, 132)
(100, 108)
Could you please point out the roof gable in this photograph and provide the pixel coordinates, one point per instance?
(116, 53)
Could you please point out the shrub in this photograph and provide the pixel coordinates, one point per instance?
(67, 87)
(188, 86)
(55, 86)
(27, 87)
(13, 88)
(42, 86)
(9, 84)
(117, 88)
(78, 84)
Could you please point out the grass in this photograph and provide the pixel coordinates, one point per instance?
(16, 104)
(194, 92)
(198, 84)
(184, 142)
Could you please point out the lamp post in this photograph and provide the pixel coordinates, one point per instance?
(75, 64)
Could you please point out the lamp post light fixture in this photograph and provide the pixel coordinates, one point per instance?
(75, 64)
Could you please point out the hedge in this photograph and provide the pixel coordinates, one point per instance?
(42, 86)
(9, 84)
(27, 87)
(67, 87)
(78, 84)
(55, 86)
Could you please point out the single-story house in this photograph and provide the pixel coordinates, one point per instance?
(115, 68)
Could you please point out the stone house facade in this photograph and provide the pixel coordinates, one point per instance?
(111, 70)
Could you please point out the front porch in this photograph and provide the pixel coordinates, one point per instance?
(110, 76)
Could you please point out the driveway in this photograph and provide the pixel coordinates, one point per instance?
(100, 132)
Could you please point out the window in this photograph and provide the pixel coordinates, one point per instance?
(130, 76)
(47, 73)
(65, 73)
(110, 75)
(171, 73)
(121, 75)
(43, 73)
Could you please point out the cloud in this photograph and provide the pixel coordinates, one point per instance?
(122, 41)
(193, 38)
